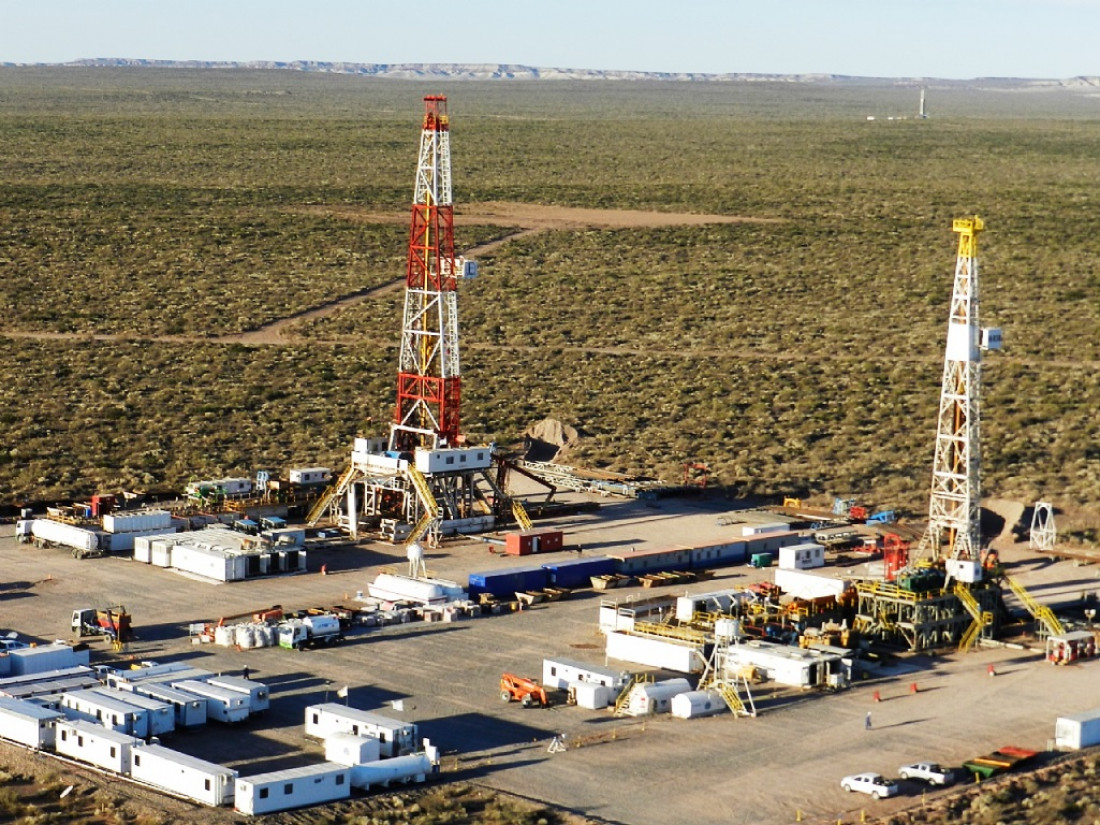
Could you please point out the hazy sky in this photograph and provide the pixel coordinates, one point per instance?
(932, 38)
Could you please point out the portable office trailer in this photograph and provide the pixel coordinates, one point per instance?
(352, 749)
(714, 601)
(504, 584)
(560, 673)
(395, 737)
(806, 585)
(189, 709)
(27, 661)
(162, 716)
(107, 711)
(95, 744)
(801, 556)
(718, 555)
(222, 704)
(634, 562)
(572, 573)
(655, 651)
(295, 788)
(414, 767)
(28, 723)
(309, 475)
(1079, 730)
(697, 703)
(259, 695)
(183, 775)
(48, 682)
(648, 698)
(127, 679)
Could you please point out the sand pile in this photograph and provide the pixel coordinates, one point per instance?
(548, 440)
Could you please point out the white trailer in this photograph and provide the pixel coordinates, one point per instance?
(92, 706)
(764, 529)
(26, 661)
(259, 695)
(561, 673)
(222, 704)
(161, 715)
(95, 744)
(805, 585)
(802, 556)
(28, 723)
(1079, 730)
(183, 775)
(48, 682)
(414, 767)
(395, 737)
(128, 679)
(715, 601)
(295, 788)
(137, 521)
(352, 749)
(655, 651)
(82, 541)
(648, 698)
(790, 665)
(189, 709)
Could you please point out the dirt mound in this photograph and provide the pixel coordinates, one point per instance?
(548, 440)
(1001, 521)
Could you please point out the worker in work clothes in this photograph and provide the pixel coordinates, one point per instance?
(867, 721)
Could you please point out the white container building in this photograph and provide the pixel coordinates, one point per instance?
(222, 704)
(309, 475)
(716, 601)
(1079, 730)
(655, 651)
(649, 698)
(48, 682)
(696, 703)
(116, 715)
(452, 460)
(414, 767)
(295, 788)
(351, 749)
(125, 542)
(561, 673)
(189, 709)
(761, 529)
(137, 521)
(210, 563)
(26, 661)
(28, 723)
(792, 666)
(95, 744)
(395, 737)
(805, 585)
(183, 775)
(591, 695)
(259, 695)
(127, 679)
(801, 556)
(161, 715)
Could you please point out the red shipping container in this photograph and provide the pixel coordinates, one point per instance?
(526, 542)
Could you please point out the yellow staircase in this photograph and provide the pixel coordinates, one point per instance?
(424, 491)
(420, 528)
(337, 489)
(1043, 614)
(624, 694)
(982, 618)
(729, 695)
(522, 519)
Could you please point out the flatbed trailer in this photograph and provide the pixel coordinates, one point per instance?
(1001, 760)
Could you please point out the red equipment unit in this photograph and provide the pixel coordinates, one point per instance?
(895, 555)
(526, 542)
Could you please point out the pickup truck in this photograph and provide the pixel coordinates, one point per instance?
(928, 772)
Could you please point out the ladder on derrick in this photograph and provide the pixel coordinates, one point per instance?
(1040, 612)
(522, 518)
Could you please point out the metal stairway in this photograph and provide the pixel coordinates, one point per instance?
(522, 519)
(330, 494)
(982, 618)
(1042, 614)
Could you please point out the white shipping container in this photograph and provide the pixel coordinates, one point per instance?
(696, 703)
(126, 542)
(761, 529)
(141, 520)
(161, 555)
(95, 745)
(802, 556)
(222, 704)
(142, 549)
(211, 564)
(653, 651)
(28, 723)
(395, 737)
(1079, 730)
(591, 695)
(27, 661)
(295, 788)
(184, 775)
(415, 767)
(803, 585)
(68, 535)
(350, 749)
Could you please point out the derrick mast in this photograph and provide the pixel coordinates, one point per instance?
(954, 529)
(428, 378)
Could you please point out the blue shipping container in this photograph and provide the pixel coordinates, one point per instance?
(578, 572)
(505, 583)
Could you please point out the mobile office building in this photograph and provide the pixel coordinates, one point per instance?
(190, 710)
(395, 737)
(802, 556)
(184, 775)
(95, 744)
(28, 723)
(222, 704)
(27, 661)
(107, 711)
(295, 788)
(259, 695)
(127, 679)
(161, 715)
(560, 673)
(1080, 730)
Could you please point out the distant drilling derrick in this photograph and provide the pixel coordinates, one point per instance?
(954, 527)
(429, 379)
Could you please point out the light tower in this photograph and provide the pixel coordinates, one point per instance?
(954, 529)
(428, 378)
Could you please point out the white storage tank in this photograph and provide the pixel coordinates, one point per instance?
(351, 749)
(415, 767)
(1079, 730)
(28, 723)
(295, 788)
(95, 744)
(697, 703)
(648, 698)
(391, 587)
(183, 775)
(591, 695)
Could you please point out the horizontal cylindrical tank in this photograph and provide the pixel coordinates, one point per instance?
(412, 768)
(697, 703)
